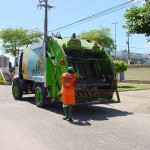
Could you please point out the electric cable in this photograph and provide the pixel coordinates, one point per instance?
(131, 47)
(90, 19)
(100, 14)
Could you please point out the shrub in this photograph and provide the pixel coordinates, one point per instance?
(119, 66)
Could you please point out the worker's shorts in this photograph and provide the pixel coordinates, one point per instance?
(68, 99)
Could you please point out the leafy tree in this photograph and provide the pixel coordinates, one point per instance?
(14, 39)
(102, 36)
(138, 19)
(147, 1)
(32, 36)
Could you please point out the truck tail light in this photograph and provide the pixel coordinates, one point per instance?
(62, 62)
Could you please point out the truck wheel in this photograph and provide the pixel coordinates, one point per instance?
(17, 91)
(39, 97)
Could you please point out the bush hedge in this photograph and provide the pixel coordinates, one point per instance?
(119, 66)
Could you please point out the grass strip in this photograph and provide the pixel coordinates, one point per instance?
(1, 79)
(132, 86)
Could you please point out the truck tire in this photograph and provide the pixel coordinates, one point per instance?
(39, 97)
(17, 91)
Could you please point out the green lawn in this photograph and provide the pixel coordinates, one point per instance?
(132, 86)
(1, 79)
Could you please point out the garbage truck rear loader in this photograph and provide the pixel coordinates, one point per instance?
(40, 72)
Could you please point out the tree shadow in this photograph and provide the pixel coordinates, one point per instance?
(84, 114)
(126, 87)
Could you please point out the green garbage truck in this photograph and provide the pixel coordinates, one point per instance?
(38, 70)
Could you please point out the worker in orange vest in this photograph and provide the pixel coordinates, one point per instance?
(68, 93)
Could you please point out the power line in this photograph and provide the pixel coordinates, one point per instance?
(96, 17)
(100, 14)
(92, 16)
(131, 47)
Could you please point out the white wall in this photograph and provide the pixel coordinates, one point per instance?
(4, 61)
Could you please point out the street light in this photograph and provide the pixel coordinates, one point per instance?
(2, 59)
(128, 42)
(115, 23)
(2, 55)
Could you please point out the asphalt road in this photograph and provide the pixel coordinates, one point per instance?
(119, 126)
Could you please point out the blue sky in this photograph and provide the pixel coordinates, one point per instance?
(25, 14)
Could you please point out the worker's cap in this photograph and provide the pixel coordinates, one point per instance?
(70, 69)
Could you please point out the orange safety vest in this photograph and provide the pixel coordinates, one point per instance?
(67, 89)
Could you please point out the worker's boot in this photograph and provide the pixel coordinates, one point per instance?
(70, 113)
(65, 112)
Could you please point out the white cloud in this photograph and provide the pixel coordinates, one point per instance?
(147, 44)
(143, 1)
(146, 47)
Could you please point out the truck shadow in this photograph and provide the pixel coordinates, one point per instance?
(84, 114)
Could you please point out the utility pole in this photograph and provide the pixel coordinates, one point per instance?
(115, 38)
(128, 43)
(44, 3)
